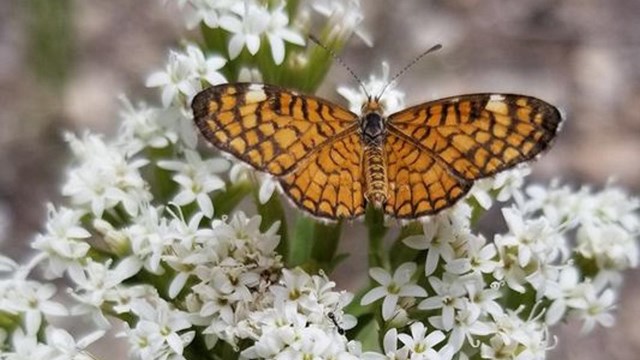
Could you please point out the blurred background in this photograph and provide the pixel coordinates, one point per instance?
(63, 63)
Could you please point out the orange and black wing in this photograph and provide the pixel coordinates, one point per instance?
(453, 141)
(329, 182)
(308, 143)
(270, 128)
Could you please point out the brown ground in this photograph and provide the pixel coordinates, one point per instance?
(582, 55)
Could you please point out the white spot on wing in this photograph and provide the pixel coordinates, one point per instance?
(255, 94)
(496, 97)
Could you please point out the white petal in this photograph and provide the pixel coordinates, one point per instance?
(253, 43)
(380, 275)
(388, 306)
(447, 317)
(157, 79)
(413, 291)
(236, 43)
(373, 295)
(404, 272)
(168, 93)
(432, 261)
(177, 284)
(434, 302)
(277, 48)
(417, 242)
(205, 204)
(266, 191)
(291, 36)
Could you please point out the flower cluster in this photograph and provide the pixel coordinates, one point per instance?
(150, 240)
(475, 292)
(248, 24)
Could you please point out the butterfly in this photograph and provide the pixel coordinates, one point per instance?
(332, 162)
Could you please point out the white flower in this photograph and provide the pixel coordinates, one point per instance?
(66, 346)
(148, 238)
(611, 246)
(197, 179)
(105, 177)
(30, 299)
(392, 100)
(466, 325)
(507, 183)
(256, 21)
(437, 240)
(207, 11)
(344, 19)
(390, 348)
(27, 347)
(594, 309)
(278, 32)
(449, 296)
(206, 68)
(160, 322)
(247, 30)
(478, 257)
(392, 288)
(178, 78)
(63, 243)
(420, 344)
(95, 283)
(144, 126)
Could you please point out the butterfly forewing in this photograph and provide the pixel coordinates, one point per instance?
(479, 135)
(270, 128)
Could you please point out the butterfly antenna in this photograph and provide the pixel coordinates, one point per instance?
(408, 66)
(341, 62)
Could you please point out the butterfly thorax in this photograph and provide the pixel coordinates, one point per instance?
(373, 130)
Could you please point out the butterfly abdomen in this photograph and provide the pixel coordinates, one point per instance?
(375, 173)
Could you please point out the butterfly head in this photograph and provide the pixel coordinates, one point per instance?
(372, 104)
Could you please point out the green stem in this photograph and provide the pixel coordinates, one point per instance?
(374, 219)
(325, 244)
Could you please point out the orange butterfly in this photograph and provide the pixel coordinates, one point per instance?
(332, 162)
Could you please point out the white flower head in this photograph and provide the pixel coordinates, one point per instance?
(344, 17)
(105, 177)
(391, 99)
(207, 11)
(177, 81)
(144, 126)
(197, 179)
(252, 23)
(393, 287)
(64, 243)
(420, 344)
